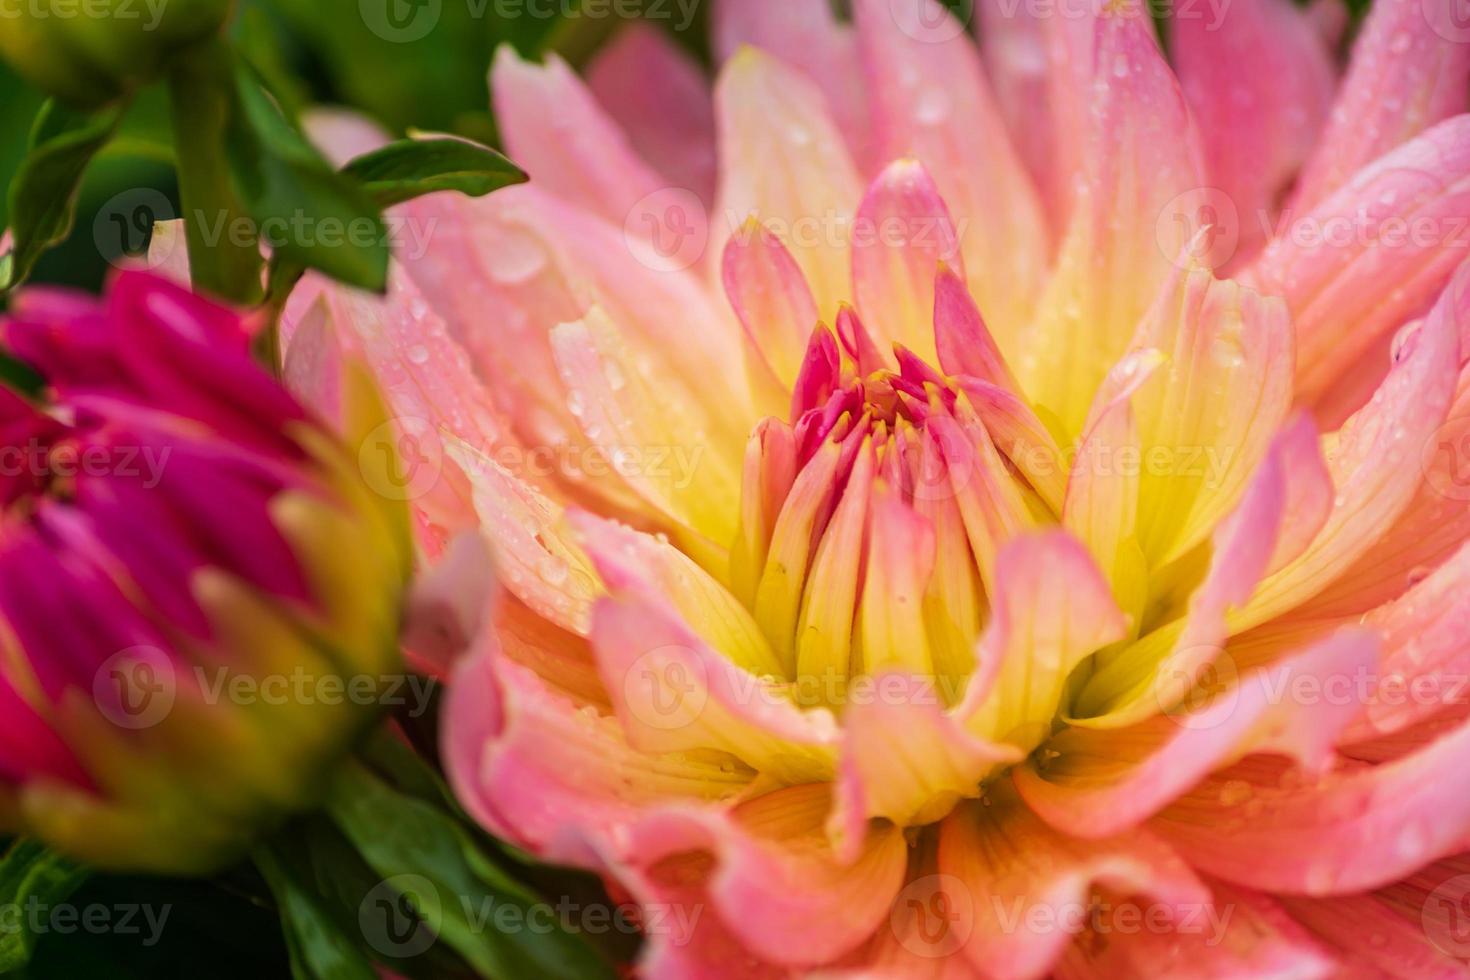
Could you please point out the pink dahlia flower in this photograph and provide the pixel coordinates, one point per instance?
(963, 515)
(183, 547)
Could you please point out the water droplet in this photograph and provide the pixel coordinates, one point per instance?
(553, 570)
(514, 258)
(418, 354)
(616, 380)
(932, 107)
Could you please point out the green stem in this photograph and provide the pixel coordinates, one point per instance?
(203, 101)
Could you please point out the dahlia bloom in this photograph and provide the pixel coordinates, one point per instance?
(985, 516)
(194, 569)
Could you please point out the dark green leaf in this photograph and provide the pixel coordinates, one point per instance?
(429, 860)
(320, 949)
(43, 193)
(31, 878)
(409, 168)
(308, 214)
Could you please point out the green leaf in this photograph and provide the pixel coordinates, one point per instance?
(407, 169)
(43, 193)
(205, 107)
(434, 864)
(319, 948)
(307, 213)
(31, 877)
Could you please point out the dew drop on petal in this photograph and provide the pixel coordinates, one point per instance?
(514, 259)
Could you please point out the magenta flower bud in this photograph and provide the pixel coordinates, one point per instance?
(199, 593)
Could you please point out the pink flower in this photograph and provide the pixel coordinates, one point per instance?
(184, 548)
(1090, 596)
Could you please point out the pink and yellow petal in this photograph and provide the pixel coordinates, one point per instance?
(931, 102)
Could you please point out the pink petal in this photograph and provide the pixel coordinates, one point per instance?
(1028, 889)
(1240, 934)
(903, 238)
(1433, 525)
(825, 629)
(541, 565)
(640, 566)
(1206, 423)
(963, 342)
(535, 766)
(555, 130)
(1022, 52)
(1092, 783)
(772, 882)
(1410, 929)
(1361, 827)
(990, 502)
(673, 693)
(932, 103)
(770, 471)
(1426, 659)
(506, 270)
(1137, 203)
(1027, 648)
(806, 36)
(1399, 220)
(783, 162)
(1283, 510)
(341, 134)
(1410, 68)
(660, 98)
(1101, 506)
(940, 764)
(653, 438)
(771, 297)
(1022, 437)
(900, 565)
(1373, 467)
(1260, 76)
